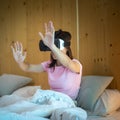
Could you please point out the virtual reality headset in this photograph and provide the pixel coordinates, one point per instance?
(61, 44)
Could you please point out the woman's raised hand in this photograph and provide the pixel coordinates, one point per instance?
(18, 53)
(48, 38)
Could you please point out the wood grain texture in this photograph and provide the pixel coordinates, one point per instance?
(99, 38)
(21, 20)
(94, 25)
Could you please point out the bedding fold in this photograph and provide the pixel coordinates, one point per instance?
(41, 104)
(76, 113)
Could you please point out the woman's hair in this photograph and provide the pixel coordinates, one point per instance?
(66, 36)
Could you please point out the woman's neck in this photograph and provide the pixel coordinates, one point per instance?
(58, 63)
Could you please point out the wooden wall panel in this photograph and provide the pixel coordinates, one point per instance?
(99, 38)
(113, 28)
(98, 30)
(13, 28)
(21, 20)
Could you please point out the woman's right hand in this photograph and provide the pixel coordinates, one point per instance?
(18, 53)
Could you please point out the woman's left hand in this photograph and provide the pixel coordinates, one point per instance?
(48, 39)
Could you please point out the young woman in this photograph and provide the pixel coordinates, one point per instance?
(64, 72)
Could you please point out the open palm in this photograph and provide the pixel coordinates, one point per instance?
(18, 53)
(48, 38)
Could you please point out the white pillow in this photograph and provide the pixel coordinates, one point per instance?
(107, 103)
(11, 82)
(90, 90)
(26, 91)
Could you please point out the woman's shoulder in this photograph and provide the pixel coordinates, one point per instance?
(76, 60)
(45, 64)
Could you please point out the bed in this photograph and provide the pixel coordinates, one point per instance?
(20, 101)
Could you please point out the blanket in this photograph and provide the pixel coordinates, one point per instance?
(42, 104)
(76, 113)
(5, 115)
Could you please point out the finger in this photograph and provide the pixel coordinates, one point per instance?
(15, 45)
(18, 46)
(48, 27)
(13, 50)
(21, 47)
(41, 35)
(51, 26)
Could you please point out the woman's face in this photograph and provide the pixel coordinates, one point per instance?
(63, 51)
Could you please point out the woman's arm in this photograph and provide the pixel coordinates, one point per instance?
(31, 67)
(48, 40)
(65, 60)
